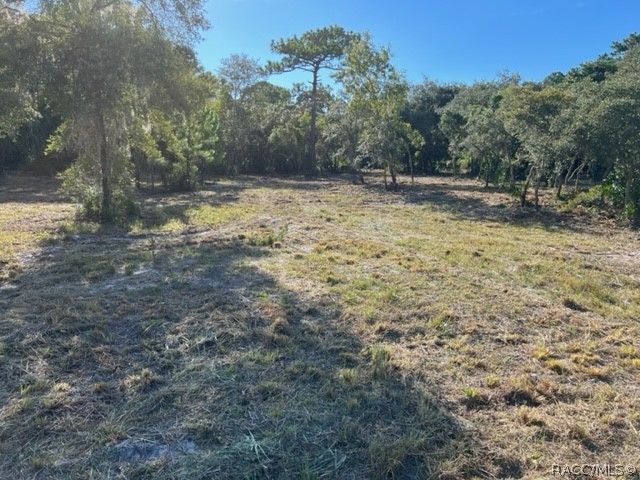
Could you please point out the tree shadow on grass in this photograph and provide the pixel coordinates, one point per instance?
(470, 200)
(288, 182)
(29, 189)
(141, 360)
(170, 212)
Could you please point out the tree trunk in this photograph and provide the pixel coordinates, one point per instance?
(570, 171)
(525, 188)
(313, 131)
(410, 165)
(627, 186)
(137, 173)
(487, 173)
(105, 170)
(235, 137)
(559, 190)
(187, 173)
(570, 174)
(512, 178)
(392, 172)
(558, 183)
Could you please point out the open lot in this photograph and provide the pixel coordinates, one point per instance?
(287, 328)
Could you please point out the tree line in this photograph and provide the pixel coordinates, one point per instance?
(112, 90)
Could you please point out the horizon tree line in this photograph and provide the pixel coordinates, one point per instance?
(114, 92)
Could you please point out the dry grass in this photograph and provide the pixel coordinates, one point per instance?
(270, 328)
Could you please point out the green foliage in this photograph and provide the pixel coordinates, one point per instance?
(612, 112)
(478, 137)
(137, 107)
(238, 73)
(313, 51)
(540, 119)
(262, 132)
(603, 197)
(377, 94)
(81, 180)
(423, 111)
(17, 47)
(268, 237)
(123, 210)
(605, 65)
(106, 64)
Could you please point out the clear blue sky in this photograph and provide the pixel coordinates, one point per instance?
(454, 40)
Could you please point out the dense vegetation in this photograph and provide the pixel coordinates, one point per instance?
(113, 91)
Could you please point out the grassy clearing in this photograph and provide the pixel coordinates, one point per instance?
(316, 329)
(29, 213)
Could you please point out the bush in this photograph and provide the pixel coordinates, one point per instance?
(123, 208)
(602, 197)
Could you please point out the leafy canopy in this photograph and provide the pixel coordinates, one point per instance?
(311, 51)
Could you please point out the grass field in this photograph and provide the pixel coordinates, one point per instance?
(284, 328)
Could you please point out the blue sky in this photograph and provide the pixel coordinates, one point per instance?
(454, 40)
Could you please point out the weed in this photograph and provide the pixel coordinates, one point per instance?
(141, 381)
(380, 357)
(268, 357)
(492, 381)
(35, 387)
(268, 389)
(529, 416)
(629, 351)
(542, 352)
(100, 387)
(557, 366)
(267, 237)
(348, 375)
(585, 358)
(471, 393)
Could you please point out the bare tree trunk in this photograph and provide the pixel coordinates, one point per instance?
(558, 183)
(570, 171)
(627, 186)
(575, 172)
(392, 172)
(105, 169)
(410, 165)
(187, 173)
(137, 172)
(313, 130)
(487, 173)
(525, 188)
(512, 178)
(356, 168)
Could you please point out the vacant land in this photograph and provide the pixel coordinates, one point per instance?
(266, 328)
